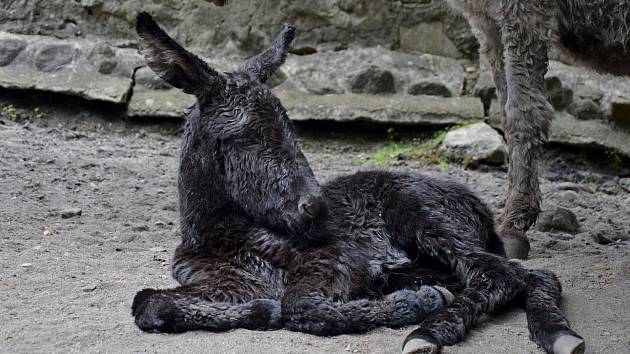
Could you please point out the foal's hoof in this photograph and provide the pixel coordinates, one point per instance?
(420, 346)
(155, 312)
(515, 243)
(568, 344)
(447, 296)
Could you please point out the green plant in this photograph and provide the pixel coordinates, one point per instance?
(442, 164)
(11, 113)
(424, 150)
(39, 114)
(391, 134)
(614, 158)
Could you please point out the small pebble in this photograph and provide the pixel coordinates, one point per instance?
(89, 288)
(140, 228)
(70, 212)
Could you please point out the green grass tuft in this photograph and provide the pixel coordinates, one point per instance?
(425, 150)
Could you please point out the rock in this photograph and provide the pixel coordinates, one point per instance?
(400, 109)
(475, 143)
(9, 49)
(604, 235)
(434, 40)
(48, 231)
(587, 92)
(88, 288)
(67, 66)
(146, 78)
(429, 88)
(567, 130)
(559, 96)
(485, 88)
(620, 110)
(372, 80)
(585, 110)
(336, 72)
(587, 103)
(557, 219)
(53, 57)
(140, 228)
(169, 103)
(495, 115)
(70, 212)
(567, 197)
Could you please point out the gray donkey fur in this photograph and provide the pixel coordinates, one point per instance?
(265, 246)
(517, 37)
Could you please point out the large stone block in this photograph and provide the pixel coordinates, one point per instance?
(373, 70)
(73, 67)
(399, 109)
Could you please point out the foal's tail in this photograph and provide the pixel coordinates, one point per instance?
(179, 310)
(547, 324)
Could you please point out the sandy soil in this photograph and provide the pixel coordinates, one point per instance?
(69, 289)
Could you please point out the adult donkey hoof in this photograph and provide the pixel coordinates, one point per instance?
(515, 243)
(568, 344)
(419, 345)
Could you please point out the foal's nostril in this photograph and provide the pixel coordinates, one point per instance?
(310, 206)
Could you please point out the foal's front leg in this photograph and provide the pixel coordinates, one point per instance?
(191, 307)
(215, 295)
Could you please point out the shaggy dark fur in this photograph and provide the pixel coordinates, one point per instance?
(516, 38)
(265, 246)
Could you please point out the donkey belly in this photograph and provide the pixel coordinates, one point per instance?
(595, 33)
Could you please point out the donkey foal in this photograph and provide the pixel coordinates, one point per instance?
(264, 246)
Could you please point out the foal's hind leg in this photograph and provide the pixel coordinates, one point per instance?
(491, 281)
(308, 304)
(547, 324)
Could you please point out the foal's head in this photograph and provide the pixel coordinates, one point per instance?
(259, 165)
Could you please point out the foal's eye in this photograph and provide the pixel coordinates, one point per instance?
(244, 142)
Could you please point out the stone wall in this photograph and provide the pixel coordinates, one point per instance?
(246, 26)
(386, 61)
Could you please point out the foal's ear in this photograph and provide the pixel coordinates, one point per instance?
(170, 61)
(266, 63)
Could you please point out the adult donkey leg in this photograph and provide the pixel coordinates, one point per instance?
(525, 29)
(492, 50)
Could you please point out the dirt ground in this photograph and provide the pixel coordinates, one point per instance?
(66, 284)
